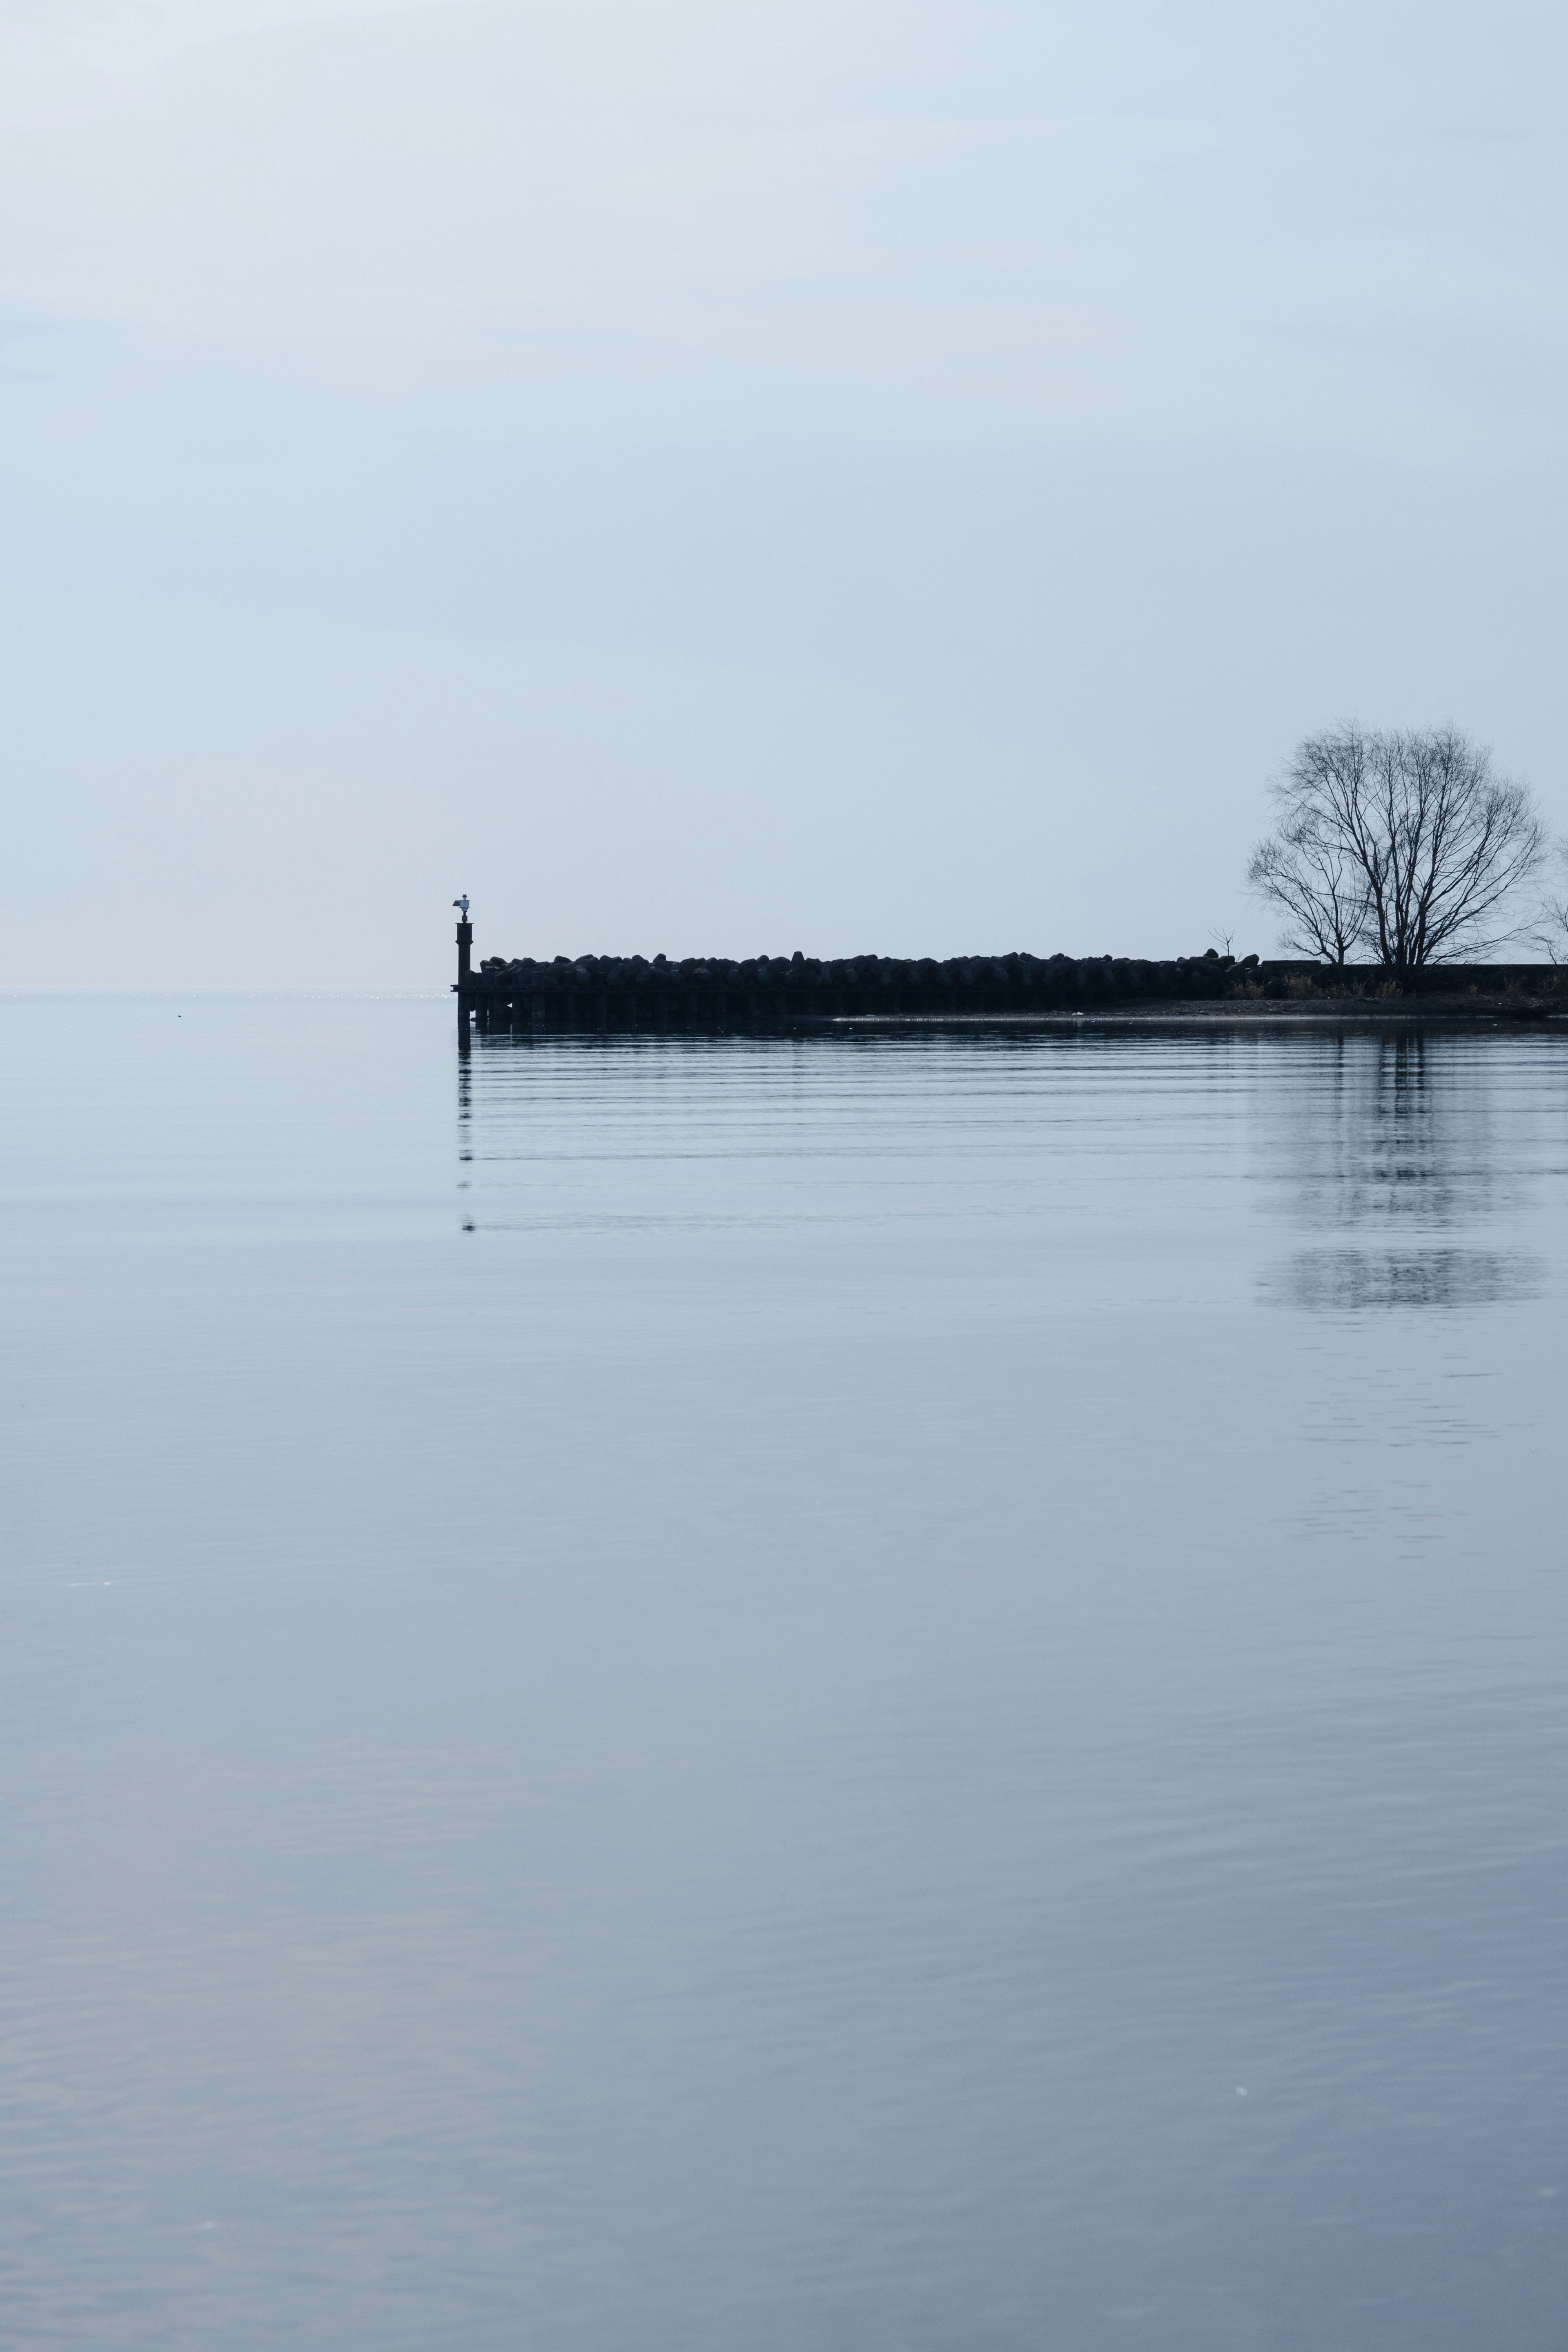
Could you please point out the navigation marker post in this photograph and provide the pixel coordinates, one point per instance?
(465, 991)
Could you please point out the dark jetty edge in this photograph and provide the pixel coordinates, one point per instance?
(764, 993)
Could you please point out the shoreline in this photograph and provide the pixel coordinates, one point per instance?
(1330, 1011)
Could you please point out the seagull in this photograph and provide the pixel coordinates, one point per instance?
(463, 903)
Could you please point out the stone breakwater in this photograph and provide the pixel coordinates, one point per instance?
(631, 993)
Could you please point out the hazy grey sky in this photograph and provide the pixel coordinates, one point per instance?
(749, 477)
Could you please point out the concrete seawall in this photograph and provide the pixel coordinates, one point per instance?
(761, 994)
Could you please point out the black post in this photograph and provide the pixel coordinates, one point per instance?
(465, 974)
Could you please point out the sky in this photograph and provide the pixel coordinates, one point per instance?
(730, 479)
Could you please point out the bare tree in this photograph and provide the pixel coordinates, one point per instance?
(1406, 844)
(1311, 866)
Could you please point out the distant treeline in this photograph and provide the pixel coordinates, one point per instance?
(769, 992)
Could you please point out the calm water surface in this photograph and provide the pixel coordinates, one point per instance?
(888, 1695)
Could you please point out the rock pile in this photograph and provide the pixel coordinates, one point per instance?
(765, 992)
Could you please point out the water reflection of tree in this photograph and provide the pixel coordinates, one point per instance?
(1393, 1130)
(1390, 1136)
(1361, 1281)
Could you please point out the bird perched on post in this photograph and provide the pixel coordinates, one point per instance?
(462, 905)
